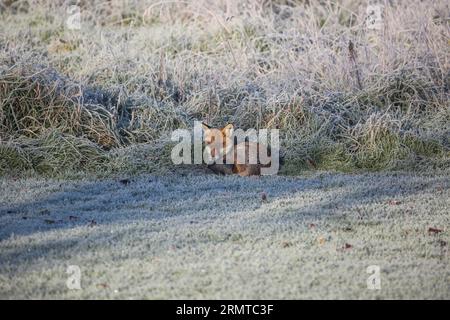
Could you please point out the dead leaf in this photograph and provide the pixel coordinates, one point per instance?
(264, 196)
(124, 181)
(406, 232)
(311, 226)
(311, 163)
(347, 246)
(321, 241)
(434, 230)
(286, 244)
(394, 202)
(103, 285)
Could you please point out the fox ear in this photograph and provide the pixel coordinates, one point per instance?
(228, 129)
(205, 127)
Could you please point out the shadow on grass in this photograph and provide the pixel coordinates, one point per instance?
(179, 211)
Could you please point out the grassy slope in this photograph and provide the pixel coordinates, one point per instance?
(135, 72)
(160, 237)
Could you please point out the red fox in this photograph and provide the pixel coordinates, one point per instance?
(221, 145)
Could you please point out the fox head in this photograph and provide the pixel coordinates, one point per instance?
(218, 141)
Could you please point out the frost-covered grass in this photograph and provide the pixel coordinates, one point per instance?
(344, 96)
(205, 236)
(101, 102)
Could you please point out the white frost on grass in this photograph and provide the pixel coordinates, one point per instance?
(215, 237)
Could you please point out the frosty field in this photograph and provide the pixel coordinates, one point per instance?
(91, 92)
(207, 236)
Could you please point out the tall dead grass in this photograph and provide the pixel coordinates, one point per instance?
(344, 96)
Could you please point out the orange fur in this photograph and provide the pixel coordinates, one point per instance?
(219, 148)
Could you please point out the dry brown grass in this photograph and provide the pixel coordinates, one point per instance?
(344, 96)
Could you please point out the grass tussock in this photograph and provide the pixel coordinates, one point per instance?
(50, 154)
(104, 99)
